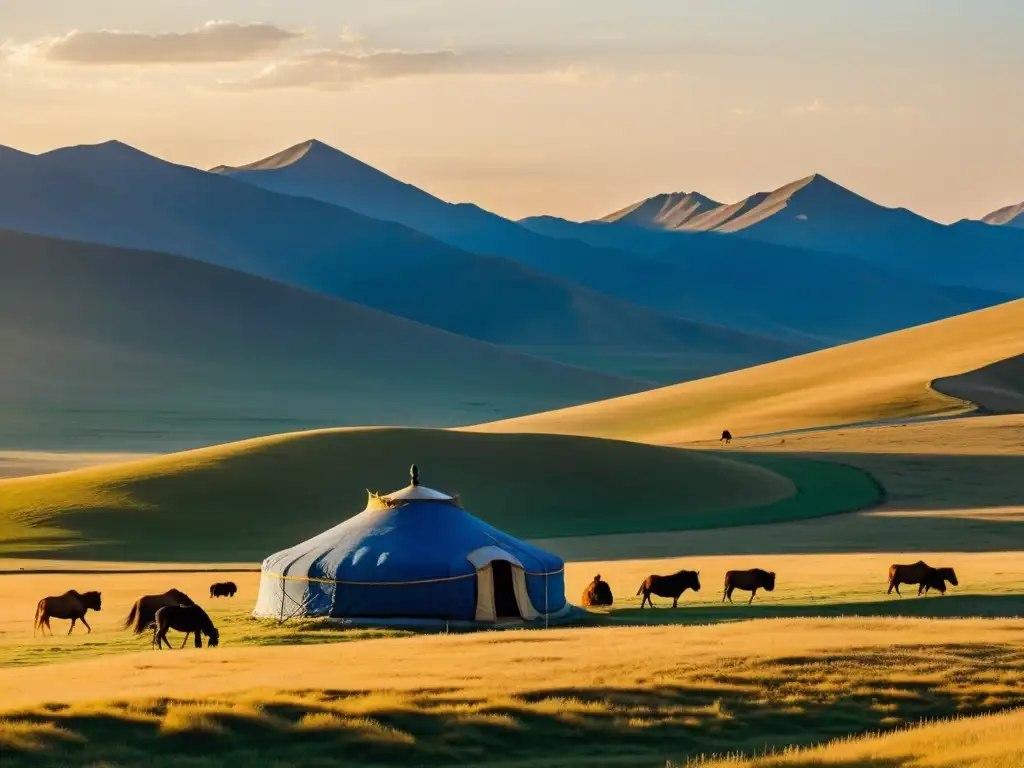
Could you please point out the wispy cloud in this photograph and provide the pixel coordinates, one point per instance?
(741, 111)
(818, 105)
(215, 42)
(335, 70)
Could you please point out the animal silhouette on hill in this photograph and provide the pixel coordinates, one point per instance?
(223, 589)
(597, 593)
(726, 436)
(669, 586)
(749, 581)
(923, 575)
(190, 619)
(143, 613)
(71, 605)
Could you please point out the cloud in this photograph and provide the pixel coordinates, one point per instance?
(348, 36)
(818, 105)
(741, 111)
(216, 41)
(335, 70)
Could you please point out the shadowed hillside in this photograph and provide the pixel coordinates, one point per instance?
(887, 377)
(111, 349)
(790, 292)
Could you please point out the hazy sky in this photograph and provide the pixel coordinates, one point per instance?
(539, 106)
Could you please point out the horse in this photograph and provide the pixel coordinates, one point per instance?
(71, 605)
(726, 436)
(190, 619)
(923, 575)
(143, 613)
(749, 581)
(669, 586)
(597, 593)
(223, 589)
(938, 580)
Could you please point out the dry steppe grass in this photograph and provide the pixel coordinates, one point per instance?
(603, 696)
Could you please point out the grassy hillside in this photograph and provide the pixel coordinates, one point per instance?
(988, 741)
(882, 378)
(243, 501)
(111, 349)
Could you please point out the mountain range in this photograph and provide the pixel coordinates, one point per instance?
(326, 264)
(757, 287)
(815, 213)
(116, 195)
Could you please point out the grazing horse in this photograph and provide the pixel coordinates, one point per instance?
(190, 619)
(726, 436)
(597, 593)
(923, 575)
(669, 586)
(71, 605)
(749, 581)
(143, 613)
(223, 589)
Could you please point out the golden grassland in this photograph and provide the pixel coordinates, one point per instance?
(606, 695)
(988, 741)
(887, 377)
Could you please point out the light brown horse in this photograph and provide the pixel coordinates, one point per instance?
(143, 613)
(71, 605)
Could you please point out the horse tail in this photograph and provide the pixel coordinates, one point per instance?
(643, 585)
(37, 622)
(131, 617)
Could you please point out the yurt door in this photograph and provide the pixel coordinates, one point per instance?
(506, 606)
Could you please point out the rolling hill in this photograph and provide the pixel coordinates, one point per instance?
(115, 195)
(1011, 216)
(817, 214)
(784, 291)
(113, 349)
(887, 377)
(253, 497)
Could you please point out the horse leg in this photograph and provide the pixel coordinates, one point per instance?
(88, 629)
(199, 639)
(46, 621)
(752, 593)
(675, 601)
(184, 641)
(898, 589)
(73, 620)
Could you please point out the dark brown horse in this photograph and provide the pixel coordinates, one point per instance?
(669, 586)
(749, 581)
(726, 436)
(190, 619)
(143, 613)
(923, 575)
(71, 605)
(223, 589)
(597, 593)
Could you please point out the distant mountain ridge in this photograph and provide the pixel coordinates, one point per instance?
(665, 211)
(116, 195)
(815, 213)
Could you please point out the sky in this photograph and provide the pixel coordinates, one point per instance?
(527, 107)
